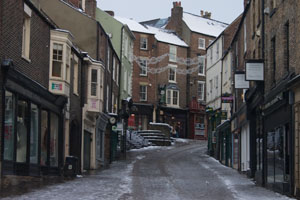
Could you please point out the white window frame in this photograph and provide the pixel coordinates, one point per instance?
(201, 59)
(144, 43)
(143, 92)
(62, 61)
(201, 43)
(26, 32)
(75, 75)
(172, 53)
(170, 98)
(172, 68)
(200, 97)
(97, 83)
(114, 69)
(143, 72)
(245, 37)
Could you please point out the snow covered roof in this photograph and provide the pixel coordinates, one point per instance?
(166, 36)
(203, 25)
(133, 25)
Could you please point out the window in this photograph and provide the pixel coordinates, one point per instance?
(200, 91)
(143, 66)
(117, 73)
(57, 60)
(114, 69)
(287, 46)
(273, 49)
(201, 71)
(107, 98)
(54, 140)
(172, 73)
(245, 37)
(144, 43)
(9, 126)
(108, 58)
(34, 134)
(173, 53)
(44, 137)
(201, 43)
(173, 98)
(26, 32)
(68, 64)
(210, 86)
(75, 75)
(143, 93)
(94, 82)
(22, 128)
(217, 50)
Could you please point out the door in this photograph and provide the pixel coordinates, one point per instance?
(87, 150)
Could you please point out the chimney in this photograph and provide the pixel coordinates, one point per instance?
(207, 15)
(202, 13)
(110, 12)
(90, 8)
(175, 22)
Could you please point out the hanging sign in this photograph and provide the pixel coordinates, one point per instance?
(240, 81)
(254, 70)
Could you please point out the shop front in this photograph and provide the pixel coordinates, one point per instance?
(32, 127)
(278, 134)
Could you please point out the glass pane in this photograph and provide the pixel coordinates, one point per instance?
(270, 157)
(94, 75)
(44, 136)
(279, 155)
(34, 134)
(54, 140)
(22, 121)
(9, 126)
(56, 68)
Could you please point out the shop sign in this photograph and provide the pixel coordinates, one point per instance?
(255, 71)
(278, 98)
(240, 81)
(57, 86)
(224, 114)
(227, 99)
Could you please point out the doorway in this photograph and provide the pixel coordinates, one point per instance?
(87, 151)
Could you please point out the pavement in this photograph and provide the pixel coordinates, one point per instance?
(180, 172)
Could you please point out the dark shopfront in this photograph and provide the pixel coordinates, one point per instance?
(278, 137)
(32, 143)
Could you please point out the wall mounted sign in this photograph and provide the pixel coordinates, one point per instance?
(254, 70)
(227, 99)
(240, 81)
(56, 86)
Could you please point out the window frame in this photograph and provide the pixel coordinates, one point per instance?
(170, 98)
(143, 72)
(172, 53)
(143, 92)
(201, 43)
(26, 32)
(203, 90)
(143, 42)
(204, 67)
(172, 68)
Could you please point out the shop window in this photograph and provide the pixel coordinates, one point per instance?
(26, 32)
(44, 137)
(54, 140)
(9, 125)
(34, 134)
(22, 122)
(173, 98)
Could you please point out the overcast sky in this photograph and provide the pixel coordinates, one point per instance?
(142, 10)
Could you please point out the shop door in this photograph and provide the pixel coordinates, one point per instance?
(87, 150)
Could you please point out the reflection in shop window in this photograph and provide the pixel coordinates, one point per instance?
(54, 140)
(9, 126)
(34, 130)
(44, 136)
(22, 122)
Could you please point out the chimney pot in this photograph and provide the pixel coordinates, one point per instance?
(201, 13)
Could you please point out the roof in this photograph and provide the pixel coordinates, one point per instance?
(167, 36)
(158, 23)
(203, 25)
(133, 25)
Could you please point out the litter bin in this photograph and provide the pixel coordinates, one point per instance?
(71, 166)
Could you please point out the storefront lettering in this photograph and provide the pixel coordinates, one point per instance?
(273, 101)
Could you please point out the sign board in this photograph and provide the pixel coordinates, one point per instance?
(254, 71)
(227, 99)
(240, 81)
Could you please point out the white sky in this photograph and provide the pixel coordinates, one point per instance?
(142, 10)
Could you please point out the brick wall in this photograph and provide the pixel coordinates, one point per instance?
(38, 68)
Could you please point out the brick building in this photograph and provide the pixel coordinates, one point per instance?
(28, 104)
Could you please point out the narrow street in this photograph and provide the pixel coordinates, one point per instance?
(179, 172)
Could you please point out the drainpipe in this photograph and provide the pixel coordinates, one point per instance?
(121, 66)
